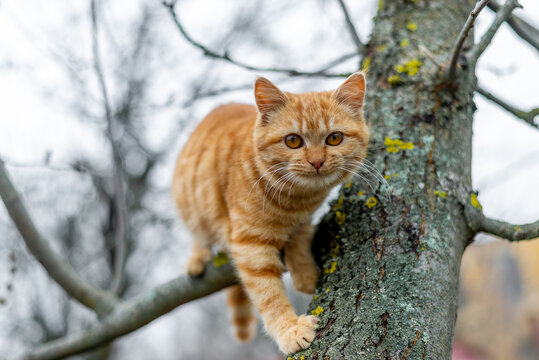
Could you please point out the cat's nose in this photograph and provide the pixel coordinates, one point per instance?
(317, 164)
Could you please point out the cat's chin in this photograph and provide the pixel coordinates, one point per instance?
(316, 180)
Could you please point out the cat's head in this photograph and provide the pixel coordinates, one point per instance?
(317, 138)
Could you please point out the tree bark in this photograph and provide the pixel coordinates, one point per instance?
(391, 259)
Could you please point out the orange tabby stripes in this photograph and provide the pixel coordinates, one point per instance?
(238, 185)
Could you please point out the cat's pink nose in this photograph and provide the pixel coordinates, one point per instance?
(317, 164)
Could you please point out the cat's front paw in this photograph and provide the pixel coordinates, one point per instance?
(298, 336)
(305, 281)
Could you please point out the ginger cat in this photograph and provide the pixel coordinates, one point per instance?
(249, 179)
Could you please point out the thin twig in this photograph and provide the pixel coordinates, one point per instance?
(138, 312)
(120, 207)
(527, 116)
(501, 17)
(226, 57)
(525, 30)
(455, 53)
(94, 298)
(351, 28)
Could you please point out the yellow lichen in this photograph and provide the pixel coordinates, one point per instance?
(380, 5)
(319, 310)
(348, 185)
(371, 202)
(394, 79)
(405, 43)
(361, 193)
(315, 297)
(475, 202)
(366, 64)
(381, 48)
(400, 68)
(396, 145)
(441, 194)
(517, 228)
(338, 204)
(389, 176)
(412, 26)
(339, 217)
(328, 289)
(413, 66)
(410, 67)
(220, 259)
(332, 268)
(334, 252)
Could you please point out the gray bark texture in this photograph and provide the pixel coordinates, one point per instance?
(391, 258)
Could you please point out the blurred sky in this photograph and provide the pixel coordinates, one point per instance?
(36, 116)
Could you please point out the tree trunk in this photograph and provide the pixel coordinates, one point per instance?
(391, 259)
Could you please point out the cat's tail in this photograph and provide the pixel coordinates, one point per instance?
(242, 313)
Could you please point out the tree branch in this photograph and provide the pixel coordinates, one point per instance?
(523, 29)
(455, 53)
(138, 312)
(120, 208)
(501, 16)
(101, 301)
(478, 222)
(227, 58)
(351, 27)
(527, 116)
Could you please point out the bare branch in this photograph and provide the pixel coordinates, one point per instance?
(525, 30)
(478, 222)
(455, 53)
(120, 208)
(138, 312)
(226, 57)
(527, 116)
(351, 27)
(501, 16)
(509, 231)
(101, 301)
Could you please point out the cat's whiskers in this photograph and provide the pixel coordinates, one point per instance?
(273, 189)
(296, 178)
(358, 175)
(367, 167)
(366, 163)
(282, 187)
(278, 188)
(266, 173)
(271, 186)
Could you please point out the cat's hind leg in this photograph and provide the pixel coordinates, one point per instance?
(242, 313)
(200, 256)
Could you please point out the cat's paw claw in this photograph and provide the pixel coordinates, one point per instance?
(299, 336)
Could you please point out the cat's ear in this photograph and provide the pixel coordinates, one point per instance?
(268, 98)
(352, 91)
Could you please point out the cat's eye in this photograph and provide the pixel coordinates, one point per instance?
(334, 138)
(293, 141)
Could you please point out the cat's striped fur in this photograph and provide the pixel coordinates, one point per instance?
(238, 184)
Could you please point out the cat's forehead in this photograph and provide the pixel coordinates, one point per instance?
(313, 111)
